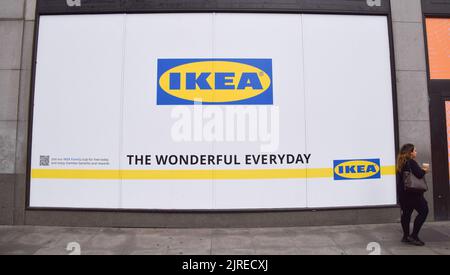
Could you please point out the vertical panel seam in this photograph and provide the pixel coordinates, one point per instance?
(121, 111)
(213, 182)
(304, 97)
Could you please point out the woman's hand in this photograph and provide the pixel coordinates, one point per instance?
(426, 167)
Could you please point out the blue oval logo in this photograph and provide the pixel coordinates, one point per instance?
(357, 169)
(214, 81)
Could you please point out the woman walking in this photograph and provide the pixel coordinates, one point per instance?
(410, 201)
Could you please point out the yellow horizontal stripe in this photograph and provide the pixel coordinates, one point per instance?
(75, 174)
(320, 173)
(260, 174)
(190, 174)
(166, 174)
(388, 170)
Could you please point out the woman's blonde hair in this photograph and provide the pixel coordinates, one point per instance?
(404, 155)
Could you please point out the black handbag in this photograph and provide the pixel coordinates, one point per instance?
(413, 184)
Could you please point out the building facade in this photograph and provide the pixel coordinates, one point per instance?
(415, 48)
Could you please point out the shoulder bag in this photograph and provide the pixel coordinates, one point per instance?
(413, 184)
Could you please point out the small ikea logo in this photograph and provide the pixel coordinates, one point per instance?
(215, 81)
(357, 169)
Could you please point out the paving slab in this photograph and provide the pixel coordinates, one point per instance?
(313, 238)
(232, 242)
(433, 235)
(232, 251)
(363, 249)
(146, 252)
(18, 249)
(189, 251)
(277, 251)
(441, 248)
(411, 250)
(325, 240)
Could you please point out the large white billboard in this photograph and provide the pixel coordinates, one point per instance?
(212, 111)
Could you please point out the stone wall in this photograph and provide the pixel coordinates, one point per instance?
(16, 41)
(412, 90)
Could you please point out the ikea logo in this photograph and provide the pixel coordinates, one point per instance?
(357, 169)
(215, 81)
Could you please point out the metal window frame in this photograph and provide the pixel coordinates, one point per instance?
(439, 92)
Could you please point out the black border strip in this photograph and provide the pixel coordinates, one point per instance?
(436, 7)
(394, 89)
(350, 7)
(54, 7)
(439, 144)
(31, 106)
(211, 211)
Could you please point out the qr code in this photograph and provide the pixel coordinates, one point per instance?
(44, 161)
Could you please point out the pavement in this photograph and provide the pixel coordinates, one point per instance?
(381, 239)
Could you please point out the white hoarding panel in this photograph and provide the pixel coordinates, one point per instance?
(76, 111)
(213, 111)
(349, 109)
(276, 37)
(147, 127)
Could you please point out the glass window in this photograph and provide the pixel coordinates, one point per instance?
(438, 36)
